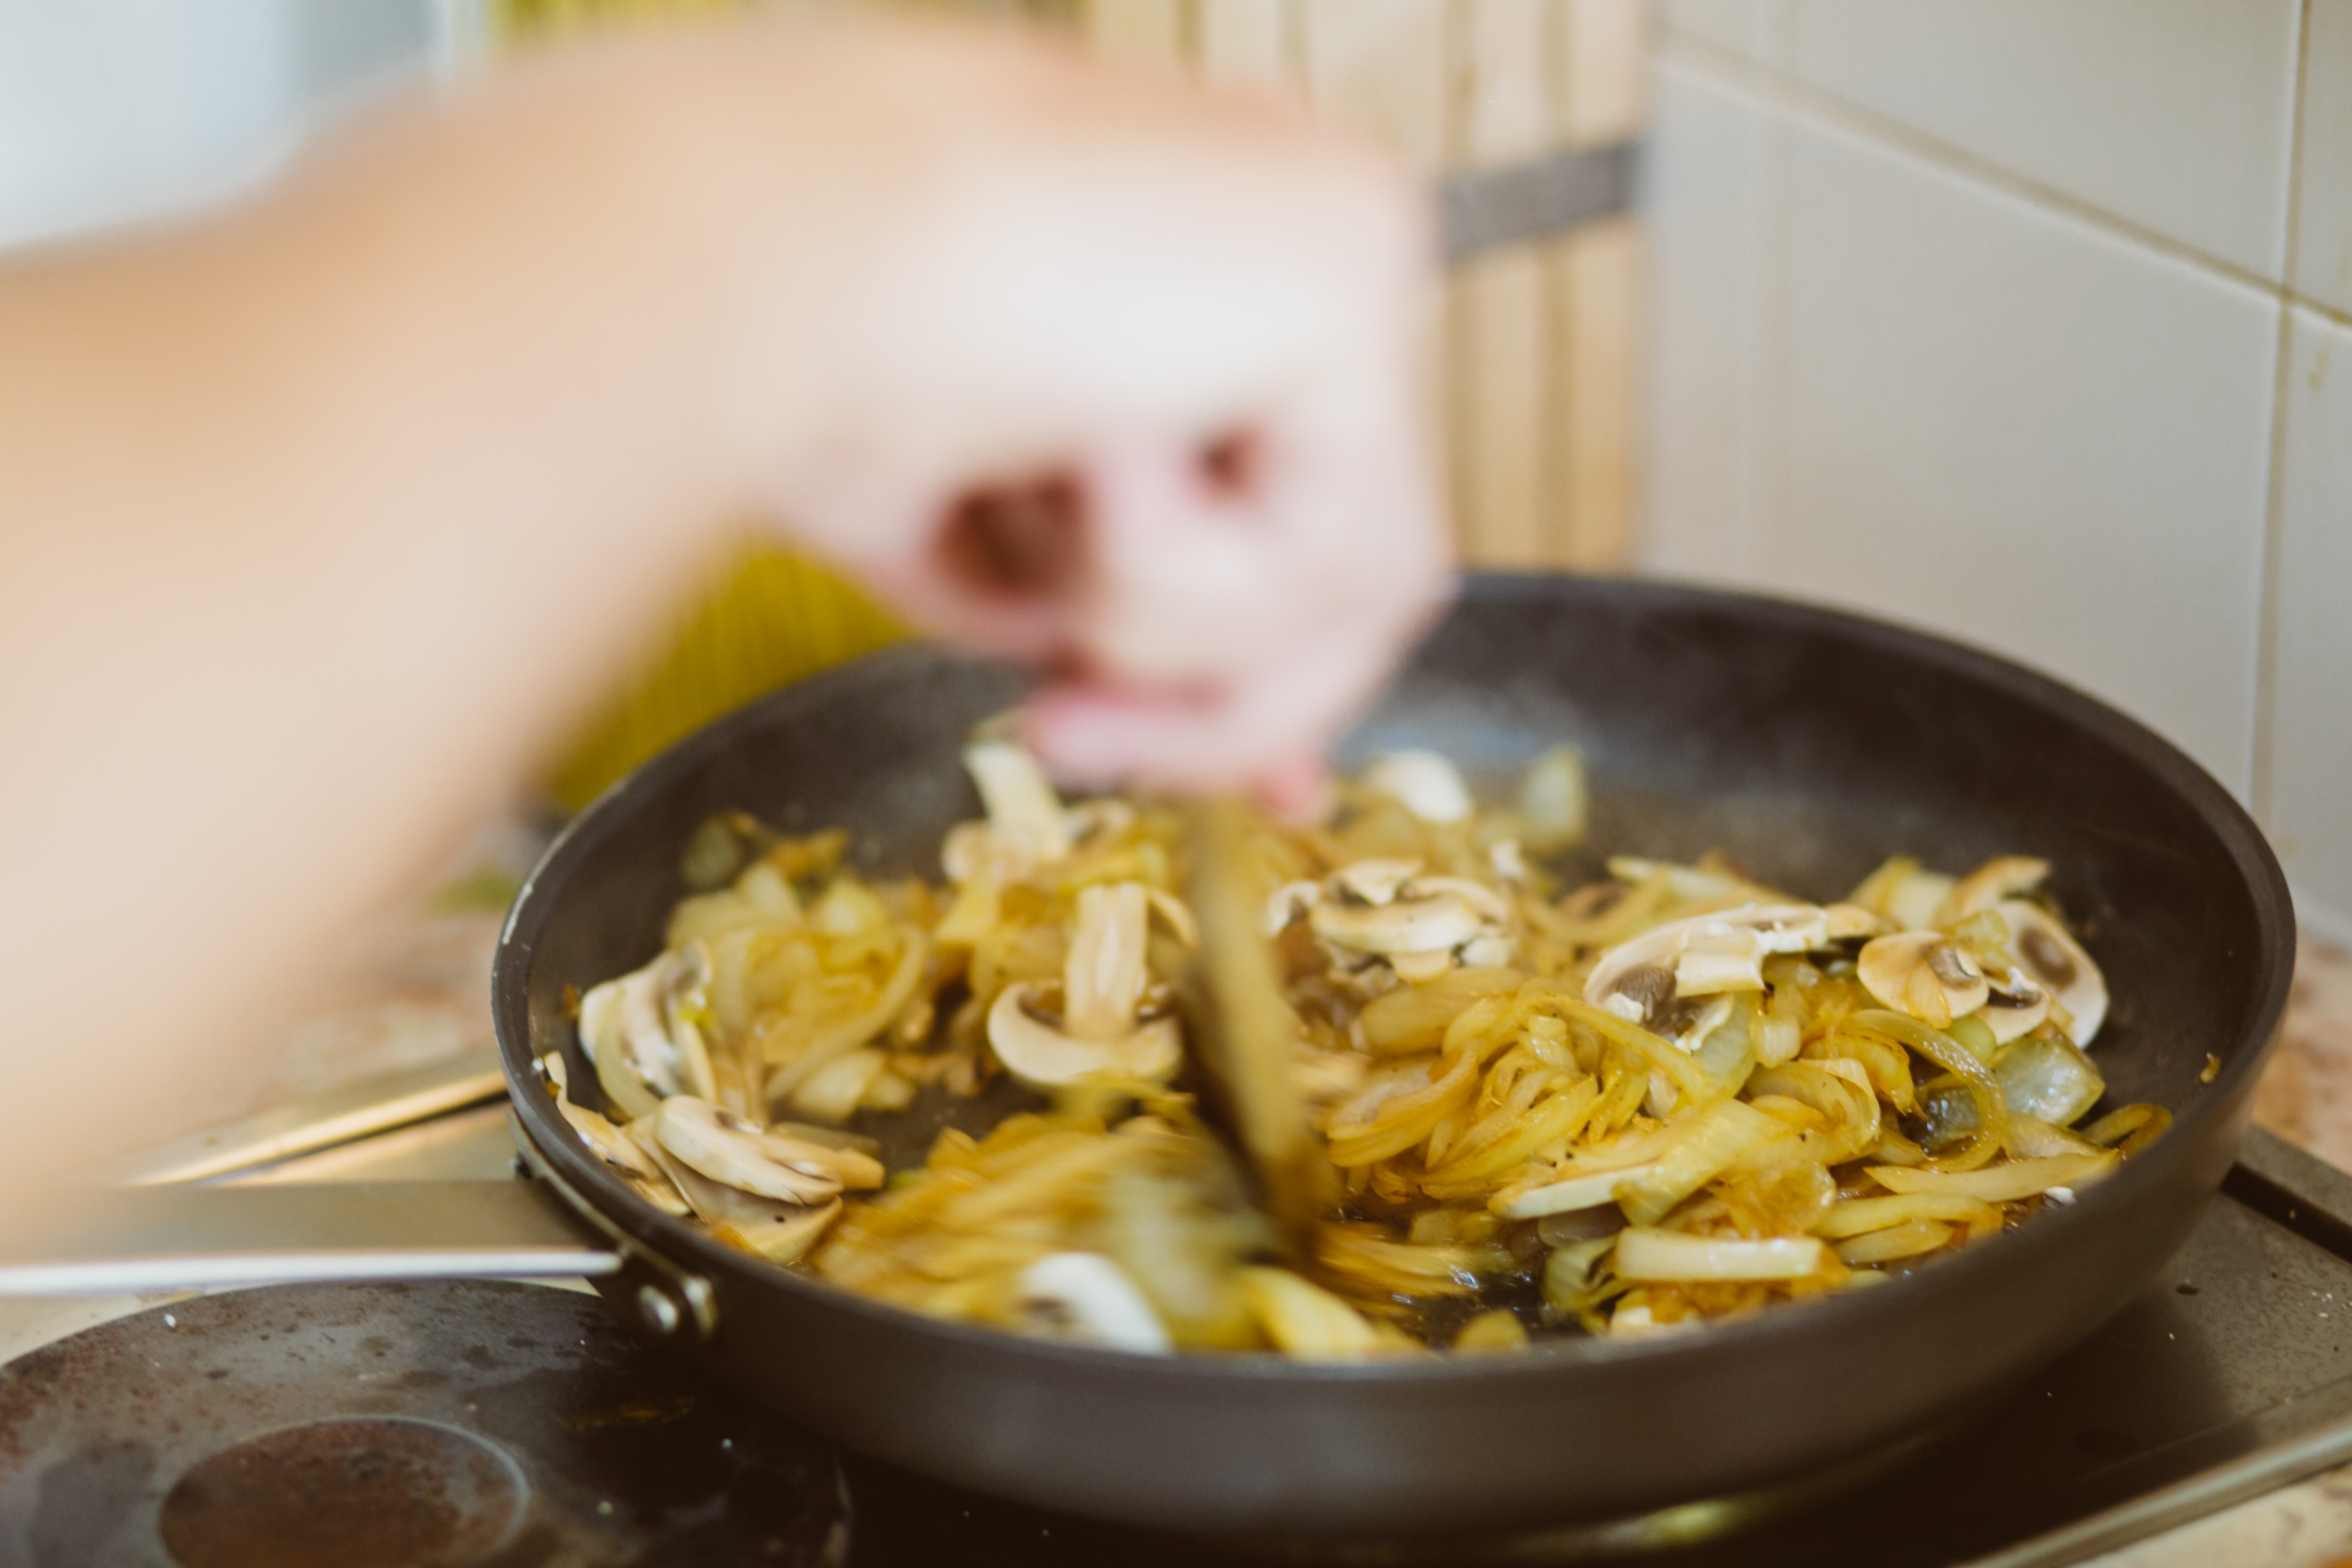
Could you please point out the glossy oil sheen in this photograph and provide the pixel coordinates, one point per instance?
(1808, 745)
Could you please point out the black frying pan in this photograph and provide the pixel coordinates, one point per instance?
(1807, 744)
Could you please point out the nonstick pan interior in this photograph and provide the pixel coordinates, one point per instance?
(1806, 745)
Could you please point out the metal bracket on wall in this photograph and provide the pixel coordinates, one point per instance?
(1487, 209)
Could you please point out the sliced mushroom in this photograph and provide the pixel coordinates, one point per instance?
(1428, 785)
(1925, 974)
(2013, 1006)
(778, 1231)
(614, 1146)
(2002, 876)
(1421, 968)
(1375, 881)
(1382, 921)
(644, 1035)
(731, 1150)
(1437, 923)
(1035, 1052)
(1704, 955)
(2056, 962)
(1084, 1297)
(1104, 980)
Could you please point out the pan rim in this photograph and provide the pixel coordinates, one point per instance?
(1549, 1357)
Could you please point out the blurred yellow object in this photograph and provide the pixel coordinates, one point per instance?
(771, 618)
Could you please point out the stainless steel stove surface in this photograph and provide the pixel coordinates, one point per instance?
(2229, 1376)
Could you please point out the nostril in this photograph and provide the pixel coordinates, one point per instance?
(1016, 541)
(1229, 465)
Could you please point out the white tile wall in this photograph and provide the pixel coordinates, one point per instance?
(1974, 314)
(2311, 784)
(2174, 114)
(1702, 173)
(2017, 430)
(2323, 263)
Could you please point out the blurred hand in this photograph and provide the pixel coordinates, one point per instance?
(347, 501)
(1123, 385)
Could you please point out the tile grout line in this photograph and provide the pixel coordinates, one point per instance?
(1771, 88)
(2261, 777)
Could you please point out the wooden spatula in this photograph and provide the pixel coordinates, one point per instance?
(1243, 1034)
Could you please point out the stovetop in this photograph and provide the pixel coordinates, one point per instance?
(2230, 1376)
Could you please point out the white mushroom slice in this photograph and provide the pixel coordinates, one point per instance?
(778, 1231)
(1429, 786)
(1491, 905)
(1420, 968)
(642, 1034)
(2056, 962)
(619, 1151)
(1104, 981)
(1711, 1018)
(1376, 881)
(1716, 958)
(2013, 1006)
(1509, 864)
(1084, 1297)
(1288, 902)
(2002, 876)
(1925, 974)
(730, 1150)
(1433, 924)
(1726, 950)
(1037, 1053)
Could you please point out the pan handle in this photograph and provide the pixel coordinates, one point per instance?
(167, 1236)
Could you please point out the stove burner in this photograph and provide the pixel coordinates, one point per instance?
(374, 1493)
(425, 1425)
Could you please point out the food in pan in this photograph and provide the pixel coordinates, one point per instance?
(1671, 1096)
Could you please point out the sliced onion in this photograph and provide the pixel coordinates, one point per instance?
(1860, 1215)
(1643, 1253)
(1712, 1138)
(2004, 1183)
(840, 1039)
(1992, 1101)
(2050, 1077)
(1908, 1239)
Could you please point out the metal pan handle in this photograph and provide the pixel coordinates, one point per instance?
(167, 1236)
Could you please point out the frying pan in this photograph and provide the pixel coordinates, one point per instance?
(1808, 745)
